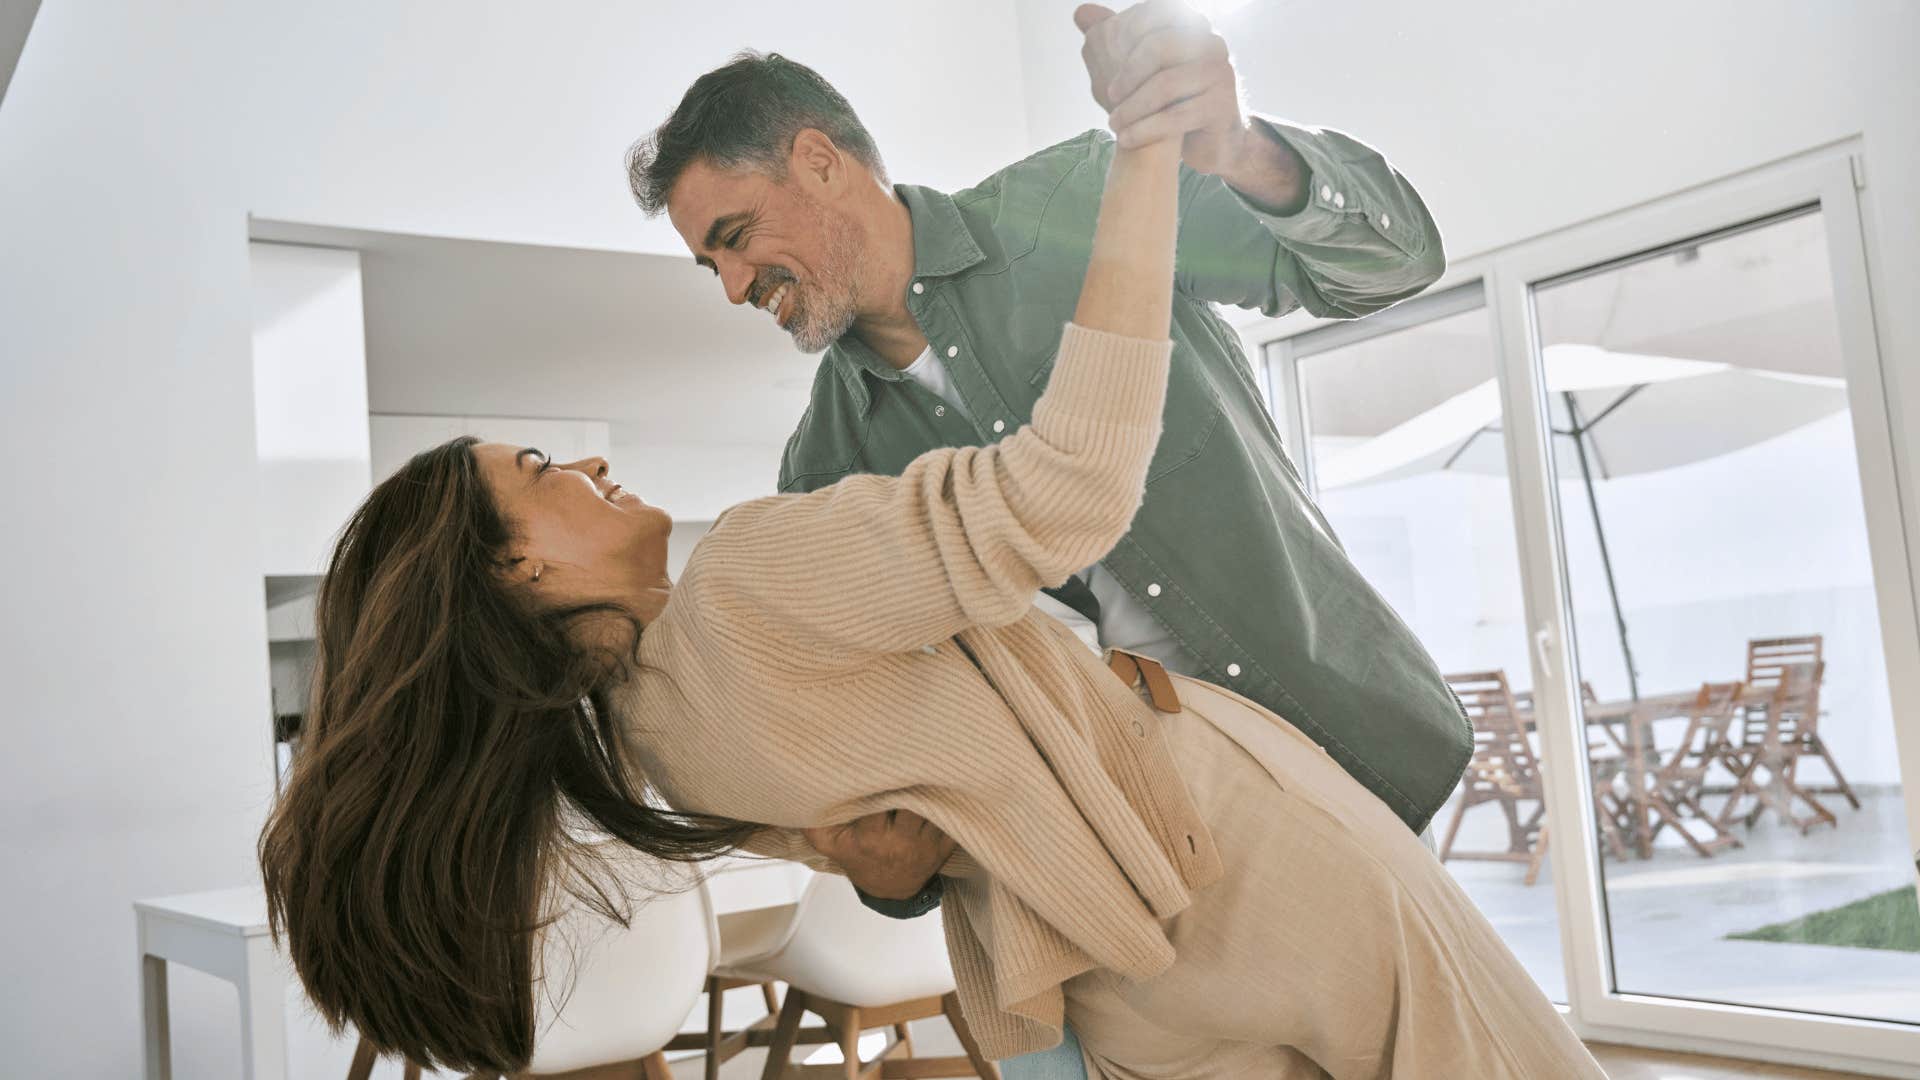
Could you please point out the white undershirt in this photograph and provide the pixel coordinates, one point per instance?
(1124, 621)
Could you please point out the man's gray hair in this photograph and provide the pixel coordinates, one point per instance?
(745, 115)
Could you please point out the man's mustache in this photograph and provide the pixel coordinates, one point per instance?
(764, 285)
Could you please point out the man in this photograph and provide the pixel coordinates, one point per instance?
(938, 314)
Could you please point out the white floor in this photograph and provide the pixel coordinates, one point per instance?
(1670, 914)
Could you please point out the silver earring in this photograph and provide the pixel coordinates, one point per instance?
(536, 575)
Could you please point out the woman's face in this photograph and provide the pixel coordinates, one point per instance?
(586, 537)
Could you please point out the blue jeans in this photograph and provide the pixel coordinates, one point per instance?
(1063, 1062)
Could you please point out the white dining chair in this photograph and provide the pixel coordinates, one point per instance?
(613, 996)
(610, 998)
(857, 970)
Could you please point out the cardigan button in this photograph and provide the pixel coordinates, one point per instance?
(1140, 729)
(1153, 589)
(918, 288)
(1233, 671)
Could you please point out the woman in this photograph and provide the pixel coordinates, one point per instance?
(1178, 874)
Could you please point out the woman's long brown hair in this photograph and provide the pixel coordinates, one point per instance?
(456, 746)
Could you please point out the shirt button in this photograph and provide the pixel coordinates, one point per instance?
(1386, 222)
(999, 426)
(1153, 589)
(953, 350)
(1340, 199)
(1233, 671)
(918, 288)
(1326, 193)
(939, 410)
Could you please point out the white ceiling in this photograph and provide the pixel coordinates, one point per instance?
(646, 342)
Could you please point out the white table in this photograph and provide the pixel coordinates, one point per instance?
(224, 934)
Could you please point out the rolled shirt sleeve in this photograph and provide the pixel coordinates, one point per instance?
(1362, 242)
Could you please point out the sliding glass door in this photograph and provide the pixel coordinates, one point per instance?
(1726, 626)
(1635, 486)
(1397, 420)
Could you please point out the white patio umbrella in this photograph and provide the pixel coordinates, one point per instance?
(1613, 413)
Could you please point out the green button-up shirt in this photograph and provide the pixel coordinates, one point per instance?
(1227, 551)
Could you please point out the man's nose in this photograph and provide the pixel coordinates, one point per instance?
(738, 280)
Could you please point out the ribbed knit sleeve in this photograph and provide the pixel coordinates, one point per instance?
(965, 535)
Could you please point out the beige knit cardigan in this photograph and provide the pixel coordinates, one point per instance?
(873, 645)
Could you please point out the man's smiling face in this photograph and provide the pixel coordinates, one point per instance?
(773, 246)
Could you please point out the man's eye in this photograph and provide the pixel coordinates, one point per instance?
(733, 238)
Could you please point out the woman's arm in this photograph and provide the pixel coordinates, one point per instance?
(1129, 284)
(966, 535)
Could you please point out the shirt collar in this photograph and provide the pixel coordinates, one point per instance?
(942, 246)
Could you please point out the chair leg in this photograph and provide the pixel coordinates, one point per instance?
(780, 1049)
(716, 1001)
(1539, 856)
(1665, 815)
(772, 998)
(1840, 785)
(850, 1043)
(363, 1057)
(1516, 833)
(950, 1008)
(654, 1067)
(906, 1036)
(1453, 828)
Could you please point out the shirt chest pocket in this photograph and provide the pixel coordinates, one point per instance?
(1192, 414)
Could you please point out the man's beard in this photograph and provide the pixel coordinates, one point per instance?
(826, 307)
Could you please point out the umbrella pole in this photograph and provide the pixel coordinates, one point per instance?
(1600, 534)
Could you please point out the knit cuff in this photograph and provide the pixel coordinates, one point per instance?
(1109, 378)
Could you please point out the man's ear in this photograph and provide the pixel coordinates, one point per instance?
(816, 163)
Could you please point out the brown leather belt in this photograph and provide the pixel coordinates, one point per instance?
(1133, 669)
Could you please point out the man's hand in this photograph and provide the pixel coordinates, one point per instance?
(1161, 72)
(890, 855)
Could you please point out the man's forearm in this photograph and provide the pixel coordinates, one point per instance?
(1269, 173)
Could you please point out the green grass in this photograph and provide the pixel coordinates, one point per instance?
(1888, 920)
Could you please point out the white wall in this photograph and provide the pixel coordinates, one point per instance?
(310, 400)
(134, 141)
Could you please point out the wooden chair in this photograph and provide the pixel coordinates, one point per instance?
(1766, 657)
(1503, 770)
(1773, 746)
(1672, 791)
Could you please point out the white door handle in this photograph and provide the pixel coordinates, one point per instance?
(1542, 645)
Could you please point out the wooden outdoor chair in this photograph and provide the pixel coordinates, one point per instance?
(1773, 747)
(1505, 769)
(1766, 657)
(1672, 791)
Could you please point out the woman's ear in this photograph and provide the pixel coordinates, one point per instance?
(522, 569)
